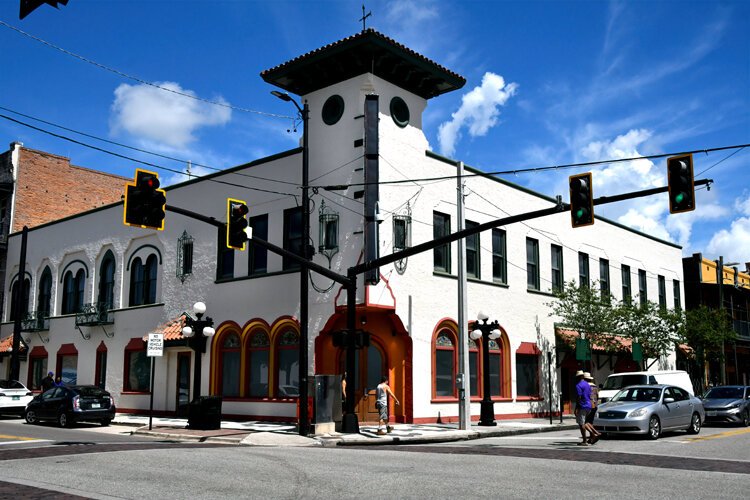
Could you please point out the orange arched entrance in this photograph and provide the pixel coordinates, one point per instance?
(389, 353)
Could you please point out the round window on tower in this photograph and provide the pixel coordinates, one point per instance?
(333, 109)
(399, 112)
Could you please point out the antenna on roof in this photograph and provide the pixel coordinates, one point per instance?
(364, 17)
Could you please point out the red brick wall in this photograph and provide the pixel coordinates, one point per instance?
(50, 188)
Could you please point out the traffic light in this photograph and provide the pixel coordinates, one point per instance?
(581, 200)
(29, 6)
(681, 186)
(144, 201)
(236, 224)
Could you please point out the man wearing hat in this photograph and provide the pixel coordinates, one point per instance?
(48, 382)
(583, 406)
(594, 434)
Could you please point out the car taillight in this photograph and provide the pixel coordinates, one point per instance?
(111, 401)
(76, 404)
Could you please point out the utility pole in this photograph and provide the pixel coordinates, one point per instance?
(720, 282)
(463, 378)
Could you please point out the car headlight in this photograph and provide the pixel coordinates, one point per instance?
(638, 413)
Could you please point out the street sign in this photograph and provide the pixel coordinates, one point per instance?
(155, 344)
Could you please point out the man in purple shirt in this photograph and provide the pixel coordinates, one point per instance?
(583, 406)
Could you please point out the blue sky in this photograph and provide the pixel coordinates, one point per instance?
(548, 83)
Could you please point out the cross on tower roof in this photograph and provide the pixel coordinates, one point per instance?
(364, 17)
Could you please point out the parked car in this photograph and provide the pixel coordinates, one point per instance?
(729, 403)
(14, 396)
(70, 404)
(617, 381)
(650, 410)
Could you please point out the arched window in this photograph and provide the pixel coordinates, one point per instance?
(143, 281)
(259, 350)
(496, 371)
(14, 299)
(474, 368)
(106, 296)
(445, 364)
(287, 355)
(73, 291)
(44, 300)
(230, 365)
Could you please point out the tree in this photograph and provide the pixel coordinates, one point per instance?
(656, 329)
(706, 330)
(586, 310)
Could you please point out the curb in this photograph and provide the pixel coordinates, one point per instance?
(186, 437)
(443, 438)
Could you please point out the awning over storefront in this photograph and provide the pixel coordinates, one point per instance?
(172, 329)
(529, 348)
(569, 337)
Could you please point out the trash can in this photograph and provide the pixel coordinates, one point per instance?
(204, 413)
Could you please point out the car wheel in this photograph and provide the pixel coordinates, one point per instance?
(30, 417)
(695, 424)
(654, 427)
(62, 419)
(746, 418)
(105, 422)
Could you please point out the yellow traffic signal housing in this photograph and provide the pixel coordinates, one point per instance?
(236, 224)
(145, 203)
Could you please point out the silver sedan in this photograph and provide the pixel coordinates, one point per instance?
(650, 410)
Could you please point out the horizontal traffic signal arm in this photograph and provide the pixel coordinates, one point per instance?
(268, 246)
(450, 238)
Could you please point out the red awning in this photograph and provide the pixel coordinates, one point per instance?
(528, 348)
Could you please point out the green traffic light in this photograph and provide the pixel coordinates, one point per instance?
(579, 213)
(679, 198)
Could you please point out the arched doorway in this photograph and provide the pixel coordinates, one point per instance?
(389, 354)
(369, 366)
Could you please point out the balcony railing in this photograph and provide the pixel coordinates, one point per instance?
(35, 321)
(95, 314)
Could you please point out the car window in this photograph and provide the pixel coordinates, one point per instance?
(50, 393)
(11, 384)
(679, 394)
(620, 381)
(724, 393)
(645, 394)
(91, 392)
(652, 380)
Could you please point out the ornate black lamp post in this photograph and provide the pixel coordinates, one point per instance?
(197, 332)
(486, 331)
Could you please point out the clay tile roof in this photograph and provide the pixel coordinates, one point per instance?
(172, 329)
(571, 335)
(6, 345)
(366, 51)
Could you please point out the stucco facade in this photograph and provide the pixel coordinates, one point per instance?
(411, 313)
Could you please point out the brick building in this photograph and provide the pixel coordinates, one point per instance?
(38, 187)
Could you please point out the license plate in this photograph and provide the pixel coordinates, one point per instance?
(710, 413)
(16, 398)
(96, 405)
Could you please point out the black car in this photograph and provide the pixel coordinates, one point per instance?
(67, 405)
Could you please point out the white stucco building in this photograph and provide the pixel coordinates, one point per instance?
(253, 296)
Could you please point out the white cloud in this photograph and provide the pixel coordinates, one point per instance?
(156, 116)
(732, 244)
(479, 111)
(742, 204)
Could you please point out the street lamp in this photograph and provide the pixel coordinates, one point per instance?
(304, 419)
(486, 331)
(197, 332)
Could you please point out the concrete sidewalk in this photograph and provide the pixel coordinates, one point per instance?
(256, 433)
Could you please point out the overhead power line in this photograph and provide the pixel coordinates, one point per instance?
(159, 167)
(139, 80)
(338, 187)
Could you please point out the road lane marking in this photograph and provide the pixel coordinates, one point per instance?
(26, 441)
(720, 435)
(21, 438)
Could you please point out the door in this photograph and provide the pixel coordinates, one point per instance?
(183, 384)
(369, 367)
(52, 400)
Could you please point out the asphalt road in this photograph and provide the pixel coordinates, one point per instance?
(531, 466)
